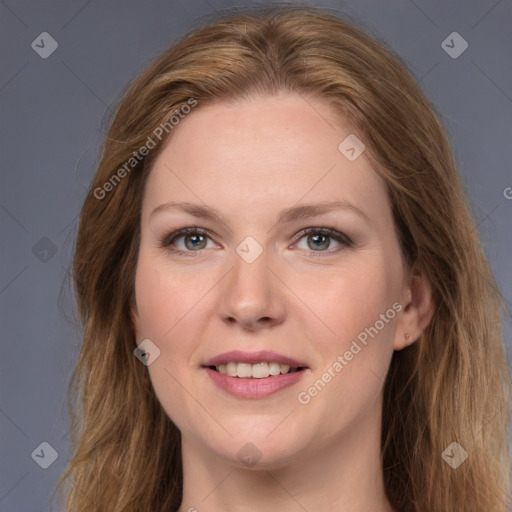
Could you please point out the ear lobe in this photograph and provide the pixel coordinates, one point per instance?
(418, 310)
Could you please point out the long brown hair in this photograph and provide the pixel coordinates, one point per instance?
(451, 385)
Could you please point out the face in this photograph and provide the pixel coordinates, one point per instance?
(267, 276)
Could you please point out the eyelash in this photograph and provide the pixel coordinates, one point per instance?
(168, 239)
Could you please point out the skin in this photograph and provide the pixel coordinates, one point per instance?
(250, 160)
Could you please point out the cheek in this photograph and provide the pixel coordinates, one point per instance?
(356, 333)
(152, 302)
(347, 300)
(163, 298)
(172, 310)
(163, 301)
(355, 359)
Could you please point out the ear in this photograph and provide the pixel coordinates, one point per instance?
(418, 309)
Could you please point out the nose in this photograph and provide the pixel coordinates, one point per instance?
(252, 295)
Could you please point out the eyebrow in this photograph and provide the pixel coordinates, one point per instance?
(288, 215)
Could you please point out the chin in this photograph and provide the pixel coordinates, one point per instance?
(259, 446)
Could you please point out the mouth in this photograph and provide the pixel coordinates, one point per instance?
(254, 375)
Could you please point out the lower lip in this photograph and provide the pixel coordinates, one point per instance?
(254, 388)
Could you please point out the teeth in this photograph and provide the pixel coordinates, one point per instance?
(256, 371)
(231, 369)
(260, 370)
(274, 368)
(244, 370)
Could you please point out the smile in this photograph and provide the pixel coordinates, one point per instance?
(254, 371)
(254, 374)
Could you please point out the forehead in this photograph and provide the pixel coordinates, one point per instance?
(262, 155)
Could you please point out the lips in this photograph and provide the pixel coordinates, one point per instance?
(254, 374)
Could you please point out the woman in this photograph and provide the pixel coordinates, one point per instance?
(284, 300)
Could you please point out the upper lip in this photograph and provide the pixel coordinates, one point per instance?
(239, 356)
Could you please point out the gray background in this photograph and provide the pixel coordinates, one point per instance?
(53, 114)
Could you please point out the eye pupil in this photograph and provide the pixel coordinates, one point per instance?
(197, 238)
(317, 238)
